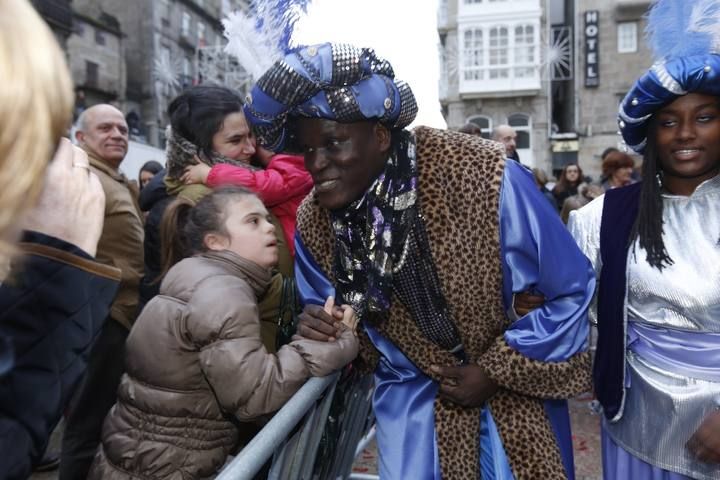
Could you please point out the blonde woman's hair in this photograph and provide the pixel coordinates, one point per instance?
(36, 102)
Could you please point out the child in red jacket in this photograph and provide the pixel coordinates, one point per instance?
(281, 185)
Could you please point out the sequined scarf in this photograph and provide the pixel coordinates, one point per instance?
(371, 233)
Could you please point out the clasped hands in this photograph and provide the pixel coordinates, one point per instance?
(466, 385)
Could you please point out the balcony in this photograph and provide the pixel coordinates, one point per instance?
(105, 86)
(499, 87)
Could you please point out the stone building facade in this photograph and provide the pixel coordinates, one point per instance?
(541, 52)
(96, 58)
(623, 57)
(160, 41)
(490, 75)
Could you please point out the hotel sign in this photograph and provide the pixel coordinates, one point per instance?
(592, 63)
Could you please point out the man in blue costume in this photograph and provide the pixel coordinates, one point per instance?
(429, 235)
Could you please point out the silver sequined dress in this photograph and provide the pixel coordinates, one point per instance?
(679, 307)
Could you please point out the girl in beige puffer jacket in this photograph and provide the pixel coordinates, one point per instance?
(194, 358)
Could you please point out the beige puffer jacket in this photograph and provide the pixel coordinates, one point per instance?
(194, 358)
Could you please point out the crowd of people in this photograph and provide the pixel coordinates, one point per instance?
(159, 317)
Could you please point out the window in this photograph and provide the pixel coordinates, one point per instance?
(164, 12)
(505, 57)
(485, 124)
(521, 123)
(627, 37)
(524, 51)
(186, 77)
(201, 33)
(185, 29)
(99, 37)
(473, 53)
(91, 74)
(78, 27)
(498, 52)
(442, 13)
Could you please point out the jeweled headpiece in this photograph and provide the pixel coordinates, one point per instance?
(685, 38)
(334, 81)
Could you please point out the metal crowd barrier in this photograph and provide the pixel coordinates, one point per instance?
(333, 428)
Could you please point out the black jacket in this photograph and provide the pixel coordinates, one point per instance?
(52, 307)
(154, 199)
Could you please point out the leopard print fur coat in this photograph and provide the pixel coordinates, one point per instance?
(459, 179)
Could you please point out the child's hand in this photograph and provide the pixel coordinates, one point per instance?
(196, 173)
(350, 318)
(321, 323)
(263, 155)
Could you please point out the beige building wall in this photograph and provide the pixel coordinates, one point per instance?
(598, 106)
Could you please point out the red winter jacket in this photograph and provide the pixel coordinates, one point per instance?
(281, 186)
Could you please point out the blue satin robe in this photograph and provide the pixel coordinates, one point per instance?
(539, 255)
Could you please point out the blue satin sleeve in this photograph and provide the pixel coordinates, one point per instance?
(540, 255)
(311, 283)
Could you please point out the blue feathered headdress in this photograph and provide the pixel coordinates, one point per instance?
(684, 36)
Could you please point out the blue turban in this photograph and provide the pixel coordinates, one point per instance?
(660, 86)
(334, 81)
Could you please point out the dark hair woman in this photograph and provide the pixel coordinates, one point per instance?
(658, 305)
(207, 122)
(567, 185)
(207, 125)
(147, 172)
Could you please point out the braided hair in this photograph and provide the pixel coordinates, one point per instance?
(648, 227)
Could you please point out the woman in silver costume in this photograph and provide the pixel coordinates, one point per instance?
(655, 247)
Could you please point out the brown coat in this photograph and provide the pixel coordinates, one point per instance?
(121, 242)
(195, 358)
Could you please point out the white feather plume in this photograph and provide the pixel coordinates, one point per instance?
(264, 36)
(255, 51)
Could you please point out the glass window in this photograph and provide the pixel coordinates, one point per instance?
(473, 54)
(498, 53)
(627, 37)
(485, 124)
(524, 51)
(185, 24)
(164, 12)
(521, 123)
(201, 33)
(91, 74)
(99, 37)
